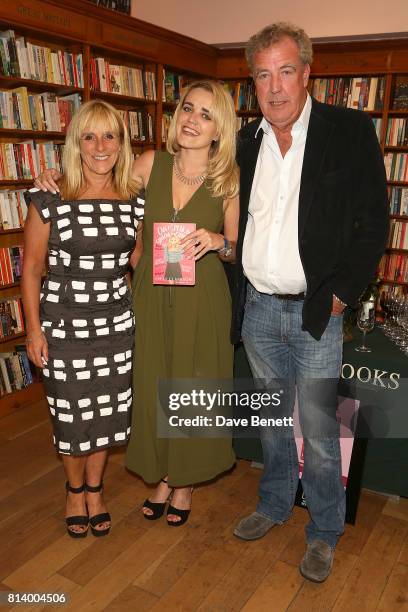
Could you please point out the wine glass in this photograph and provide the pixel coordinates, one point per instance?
(365, 323)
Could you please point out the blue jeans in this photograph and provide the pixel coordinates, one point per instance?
(277, 347)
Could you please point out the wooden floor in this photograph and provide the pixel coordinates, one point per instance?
(201, 566)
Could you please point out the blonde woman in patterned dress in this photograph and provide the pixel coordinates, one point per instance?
(80, 325)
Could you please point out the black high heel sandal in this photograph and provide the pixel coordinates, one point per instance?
(157, 508)
(103, 517)
(182, 514)
(74, 521)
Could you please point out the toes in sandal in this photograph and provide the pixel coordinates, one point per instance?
(96, 520)
(76, 521)
(157, 508)
(182, 514)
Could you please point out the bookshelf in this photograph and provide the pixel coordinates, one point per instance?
(96, 37)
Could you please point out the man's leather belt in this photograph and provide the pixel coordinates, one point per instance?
(290, 296)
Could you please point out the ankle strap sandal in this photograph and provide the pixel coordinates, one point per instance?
(103, 517)
(76, 521)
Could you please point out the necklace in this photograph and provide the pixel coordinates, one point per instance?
(195, 180)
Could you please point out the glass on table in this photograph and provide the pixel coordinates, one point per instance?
(365, 323)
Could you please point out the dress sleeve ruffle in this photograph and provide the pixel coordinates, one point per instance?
(44, 202)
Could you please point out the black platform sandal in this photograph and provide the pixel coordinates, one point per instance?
(183, 514)
(104, 517)
(157, 508)
(74, 521)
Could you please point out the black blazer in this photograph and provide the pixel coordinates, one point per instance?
(343, 211)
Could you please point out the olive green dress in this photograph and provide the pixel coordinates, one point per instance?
(181, 332)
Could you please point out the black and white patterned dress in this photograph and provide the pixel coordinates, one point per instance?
(86, 315)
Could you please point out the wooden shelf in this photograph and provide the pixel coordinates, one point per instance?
(18, 399)
(396, 148)
(112, 97)
(398, 251)
(35, 134)
(16, 182)
(394, 282)
(40, 86)
(399, 217)
(398, 183)
(249, 113)
(16, 230)
(398, 113)
(7, 344)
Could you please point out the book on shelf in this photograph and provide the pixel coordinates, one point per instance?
(173, 85)
(21, 58)
(171, 266)
(123, 6)
(26, 160)
(13, 208)
(166, 120)
(398, 197)
(243, 95)
(139, 124)
(397, 132)
(396, 166)
(398, 235)
(16, 371)
(122, 80)
(11, 264)
(400, 99)
(11, 317)
(360, 93)
(44, 112)
(394, 267)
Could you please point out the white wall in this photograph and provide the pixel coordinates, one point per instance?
(229, 21)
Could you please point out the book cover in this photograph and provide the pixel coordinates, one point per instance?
(170, 264)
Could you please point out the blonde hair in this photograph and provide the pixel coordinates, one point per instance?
(97, 113)
(273, 34)
(222, 168)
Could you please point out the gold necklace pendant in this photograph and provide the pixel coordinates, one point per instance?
(190, 181)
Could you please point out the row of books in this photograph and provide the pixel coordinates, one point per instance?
(45, 111)
(13, 208)
(397, 133)
(11, 317)
(361, 93)
(11, 264)
(396, 166)
(398, 237)
(122, 80)
(172, 86)
(26, 160)
(243, 94)
(377, 121)
(398, 200)
(16, 371)
(20, 58)
(394, 267)
(166, 119)
(139, 124)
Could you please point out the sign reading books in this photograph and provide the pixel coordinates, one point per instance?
(171, 266)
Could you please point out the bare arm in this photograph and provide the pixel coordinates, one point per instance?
(142, 167)
(36, 234)
(138, 251)
(231, 219)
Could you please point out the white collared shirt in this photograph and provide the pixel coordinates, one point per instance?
(270, 256)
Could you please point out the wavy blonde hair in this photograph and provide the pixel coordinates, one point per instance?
(222, 168)
(92, 114)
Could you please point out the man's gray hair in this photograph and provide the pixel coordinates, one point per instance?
(273, 34)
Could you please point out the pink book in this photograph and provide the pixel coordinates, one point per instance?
(170, 264)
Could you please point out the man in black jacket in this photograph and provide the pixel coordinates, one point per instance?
(313, 225)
